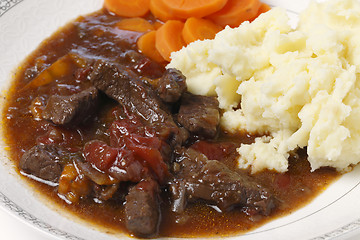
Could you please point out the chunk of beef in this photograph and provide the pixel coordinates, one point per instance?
(142, 209)
(125, 87)
(210, 180)
(71, 109)
(43, 161)
(199, 114)
(171, 85)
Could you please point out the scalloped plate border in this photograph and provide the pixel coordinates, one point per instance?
(6, 5)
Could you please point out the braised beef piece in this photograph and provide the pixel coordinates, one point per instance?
(171, 85)
(196, 177)
(199, 114)
(125, 87)
(142, 209)
(43, 161)
(71, 109)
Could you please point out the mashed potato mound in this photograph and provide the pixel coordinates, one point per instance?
(300, 87)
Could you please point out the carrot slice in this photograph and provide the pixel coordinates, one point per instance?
(161, 11)
(263, 8)
(169, 38)
(58, 69)
(128, 8)
(199, 29)
(146, 45)
(135, 24)
(191, 8)
(235, 12)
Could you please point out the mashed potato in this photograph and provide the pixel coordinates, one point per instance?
(300, 87)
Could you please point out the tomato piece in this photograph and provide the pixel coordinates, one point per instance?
(130, 134)
(127, 168)
(100, 154)
(119, 129)
(152, 142)
(153, 158)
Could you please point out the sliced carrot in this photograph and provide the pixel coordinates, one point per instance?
(128, 8)
(235, 12)
(135, 24)
(191, 8)
(161, 11)
(199, 29)
(263, 8)
(58, 69)
(169, 38)
(146, 45)
(42, 79)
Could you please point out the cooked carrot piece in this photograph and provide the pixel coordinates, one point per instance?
(135, 24)
(67, 176)
(263, 8)
(128, 8)
(146, 45)
(161, 11)
(169, 38)
(56, 70)
(191, 8)
(78, 60)
(71, 185)
(235, 12)
(42, 79)
(199, 29)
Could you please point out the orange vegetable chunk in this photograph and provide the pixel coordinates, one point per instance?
(235, 12)
(146, 45)
(136, 24)
(161, 11)
(128, 8)
(199, 29)
(192, 8)
(263, 8)
(58, 69)
(169, 38)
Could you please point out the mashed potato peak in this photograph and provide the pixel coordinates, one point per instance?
(299, 86)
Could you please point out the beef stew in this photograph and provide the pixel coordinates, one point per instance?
(101, 130)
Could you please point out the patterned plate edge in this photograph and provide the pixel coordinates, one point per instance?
(6, 5)
(14, 208)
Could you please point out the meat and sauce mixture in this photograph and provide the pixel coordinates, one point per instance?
(115, 138)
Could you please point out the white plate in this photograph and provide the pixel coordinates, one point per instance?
(335, 214)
